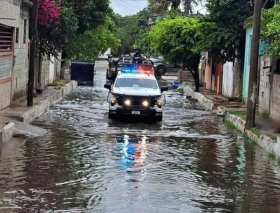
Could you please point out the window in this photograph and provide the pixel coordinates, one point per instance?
(24, 30)
(6, 37)
(136, 82)
(17, 34)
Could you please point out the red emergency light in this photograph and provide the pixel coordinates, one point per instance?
(145, 70)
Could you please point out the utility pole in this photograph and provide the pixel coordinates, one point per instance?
(33, 52)
(252, 91)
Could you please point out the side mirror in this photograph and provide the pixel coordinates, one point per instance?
(107, 86)
(164, 88)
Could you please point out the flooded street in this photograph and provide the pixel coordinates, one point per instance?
(86, 163)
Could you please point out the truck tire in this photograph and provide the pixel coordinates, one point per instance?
(161, 70)
(159, 118)
(111, 116)
(107, 76)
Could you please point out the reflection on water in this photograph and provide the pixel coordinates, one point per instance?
(85, 163)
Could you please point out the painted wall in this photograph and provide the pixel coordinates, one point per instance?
(262, 51)
(246, 72)
(231, 79)
(208, 72)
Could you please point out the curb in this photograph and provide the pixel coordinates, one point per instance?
(7, 132)
(42, 106)
(202, 100)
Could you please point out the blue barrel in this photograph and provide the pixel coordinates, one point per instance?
(82, 72)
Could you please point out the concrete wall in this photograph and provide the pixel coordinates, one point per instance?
(5, 80)
(21, 67)
(52, 70)
(231, 79)
(264, 85)
(10, 10)
(275, 98)
(45, 70)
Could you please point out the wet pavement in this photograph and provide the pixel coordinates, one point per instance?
(86, 163)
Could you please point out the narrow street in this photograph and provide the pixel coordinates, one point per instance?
(86, 163)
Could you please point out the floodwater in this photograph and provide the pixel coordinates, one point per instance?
(86, 163)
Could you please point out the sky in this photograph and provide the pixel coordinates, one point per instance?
(130, 7)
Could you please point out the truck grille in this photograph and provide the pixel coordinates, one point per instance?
(136, 100)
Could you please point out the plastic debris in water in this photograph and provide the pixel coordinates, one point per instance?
(175, 84)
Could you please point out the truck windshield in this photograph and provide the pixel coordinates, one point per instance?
(136, 82)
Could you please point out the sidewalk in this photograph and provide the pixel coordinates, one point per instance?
(267, 131)
(19, 114)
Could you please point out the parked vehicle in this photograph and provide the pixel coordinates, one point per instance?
(136, 94)
(161, 65)
(82, 72)
(106, 55)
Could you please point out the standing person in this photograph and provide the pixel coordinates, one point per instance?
(138, 57)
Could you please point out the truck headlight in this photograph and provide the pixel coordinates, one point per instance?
(159, 101)
(127, 102)
(145, 103)
(113, 100)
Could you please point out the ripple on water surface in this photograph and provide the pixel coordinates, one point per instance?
(85, 163)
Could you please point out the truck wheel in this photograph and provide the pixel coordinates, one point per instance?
(111, 116)
(159, 118)
(161, 70)
(107, 76)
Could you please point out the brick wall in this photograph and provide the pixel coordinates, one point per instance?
(275, 98)
(264, 87)
(21, 67)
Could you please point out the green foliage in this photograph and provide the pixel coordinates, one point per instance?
(230, 126)
(176, 38)
(265, 115)
(131, 30)
(239, 113)
(270, 29)
(89, 44)
(271, 156)
(256, 132)
(162, 5)
(223, 29)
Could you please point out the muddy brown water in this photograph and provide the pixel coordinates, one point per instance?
(86, 163)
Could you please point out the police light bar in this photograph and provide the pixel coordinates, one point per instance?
(141, 69)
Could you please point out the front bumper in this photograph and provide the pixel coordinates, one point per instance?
(135, 111)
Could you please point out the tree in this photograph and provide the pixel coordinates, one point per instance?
(176, 39)
(222, 30)
(270, 29)
(163, 5)
(56, 26)
(88, 45)
(131, 30)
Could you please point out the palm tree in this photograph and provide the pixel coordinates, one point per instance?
(162, 5)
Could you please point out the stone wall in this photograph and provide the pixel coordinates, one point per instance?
(264, 85)
(275, 98)
(21, 67)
